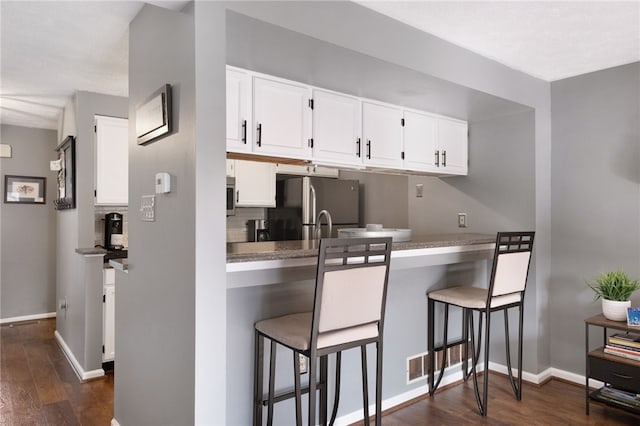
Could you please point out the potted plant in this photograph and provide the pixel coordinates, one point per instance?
(614, 288)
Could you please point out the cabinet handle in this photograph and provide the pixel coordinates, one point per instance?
(444, 158)
(259, 142)
(368, 149)
(437, 158)
(622, 376)
(358, 143)
(237, 196)
(244, 132)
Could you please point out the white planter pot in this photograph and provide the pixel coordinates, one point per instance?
(615, 310)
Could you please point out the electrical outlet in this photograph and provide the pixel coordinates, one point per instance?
(462, 220)
(303, 364)
(419, 190)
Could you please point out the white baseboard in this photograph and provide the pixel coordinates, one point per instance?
(77, 368)
(114, 422)
(28, 317)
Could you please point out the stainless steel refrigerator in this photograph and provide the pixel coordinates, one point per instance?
(310, 196)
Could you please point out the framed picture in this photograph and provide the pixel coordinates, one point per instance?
(153, 117)
(24, 189)
(66, 197)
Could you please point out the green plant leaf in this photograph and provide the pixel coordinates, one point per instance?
(615, 285)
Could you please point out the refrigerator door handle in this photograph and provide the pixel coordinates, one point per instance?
(312, 189)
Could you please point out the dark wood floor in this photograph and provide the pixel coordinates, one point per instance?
(38, 387)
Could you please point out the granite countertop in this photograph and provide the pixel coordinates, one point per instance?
(275, 250)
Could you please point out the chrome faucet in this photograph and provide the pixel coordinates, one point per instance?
(319, 226)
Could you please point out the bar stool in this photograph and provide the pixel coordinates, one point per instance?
(348, 312)
(508, 281)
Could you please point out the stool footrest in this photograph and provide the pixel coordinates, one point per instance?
(450, 344)
(291, 394)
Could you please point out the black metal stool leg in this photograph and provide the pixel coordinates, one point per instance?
(508, 353)
(323, 389)
(313, 374)
(365, 384)
(296, 386)
(465, 338)
(379, 383)
(258, 360)
(336, 397)
(485, 383)
(431, 344)
(272, 380)
(521, 309)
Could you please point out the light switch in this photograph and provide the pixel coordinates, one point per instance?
(148, 208)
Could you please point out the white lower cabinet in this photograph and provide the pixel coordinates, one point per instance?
(108, 315)
(255, 184)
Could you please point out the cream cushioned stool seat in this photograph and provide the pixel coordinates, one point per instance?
(509, 273)
(348, 312)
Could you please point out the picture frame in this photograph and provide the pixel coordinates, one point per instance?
(25, 189)
(154, 116)
(66, 179)
(633, 317)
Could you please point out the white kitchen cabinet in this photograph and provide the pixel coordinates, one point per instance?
(453, 142)
(231, 168)
(238, 110)
(281, 118)
(420, 141)
(435, 144)
(336, 128)
(255, 184)
(382, 135)
(112, 161)
(108, 314)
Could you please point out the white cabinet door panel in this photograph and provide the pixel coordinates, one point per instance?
(255, 184)
(382, 135)
(281, 116)
(453, 142)
(420, 141)
(112, 164)
(336, 128)
(238, 118)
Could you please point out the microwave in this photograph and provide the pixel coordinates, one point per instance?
(231, 196)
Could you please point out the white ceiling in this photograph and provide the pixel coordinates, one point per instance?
(50, 50)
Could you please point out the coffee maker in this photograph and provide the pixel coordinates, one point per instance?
(258, 230)
(113, 231)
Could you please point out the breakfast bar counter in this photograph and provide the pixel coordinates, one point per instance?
(269, 279)
(250, 264)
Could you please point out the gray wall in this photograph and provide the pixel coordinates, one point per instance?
(595, 197)
(28, 268)
(332, 22)
(499, 192)
(80, 325)
(155, 301)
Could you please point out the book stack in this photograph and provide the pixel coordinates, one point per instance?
(627, 399)
(626, 345)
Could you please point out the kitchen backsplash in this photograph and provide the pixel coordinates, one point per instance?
(100, 212)
(237, 225)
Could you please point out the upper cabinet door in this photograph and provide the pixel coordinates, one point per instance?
(420, 141)
(281, 116)
(382, 135)
(255, 184)
(112, 161)
(453, 143)
(336, 128)
(238, 111)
